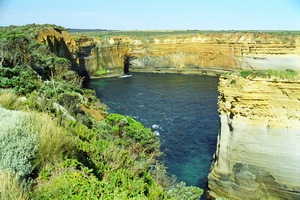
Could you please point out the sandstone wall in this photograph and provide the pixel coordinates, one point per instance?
(199, 54)
(59, 41)
(258, 151)
(214, 53)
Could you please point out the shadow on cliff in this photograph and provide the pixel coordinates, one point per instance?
(59, 48)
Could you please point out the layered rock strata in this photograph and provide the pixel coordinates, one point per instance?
(211, 54)
(195, 54)
(258, 151)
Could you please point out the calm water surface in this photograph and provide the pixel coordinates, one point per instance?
(182, 108)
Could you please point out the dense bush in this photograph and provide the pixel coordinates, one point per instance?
(81, 184)
(17, 142)
(21, 79)
(180, 191)
(14, 50)
(127, 127)
(75, 184)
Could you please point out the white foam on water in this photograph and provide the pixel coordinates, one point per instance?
(156, 133)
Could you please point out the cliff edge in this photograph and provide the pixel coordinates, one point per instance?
(257, 154)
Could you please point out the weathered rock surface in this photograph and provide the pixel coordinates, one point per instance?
(59, 41)
(258, 151)
(196, 54)
(63, 45)
(191, 54)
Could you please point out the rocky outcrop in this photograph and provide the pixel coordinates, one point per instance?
(59, 41)
(195, 54)
(63, 45)
(257, 155)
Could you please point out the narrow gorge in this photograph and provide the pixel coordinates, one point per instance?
(257, 154)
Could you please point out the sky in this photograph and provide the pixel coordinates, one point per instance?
(155, 14)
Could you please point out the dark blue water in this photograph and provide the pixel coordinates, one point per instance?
(182, 108)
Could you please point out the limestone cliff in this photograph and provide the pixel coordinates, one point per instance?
(59, 41)
(196, 54)
(213, 53)
(63, 45)
(258, 151)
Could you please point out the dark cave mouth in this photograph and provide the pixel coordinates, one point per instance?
(127, 64)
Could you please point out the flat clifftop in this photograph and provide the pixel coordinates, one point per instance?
(257, 155)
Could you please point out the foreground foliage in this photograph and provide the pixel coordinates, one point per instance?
(61, 144)
(11, 188)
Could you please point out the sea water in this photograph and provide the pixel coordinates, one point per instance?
(180, 109)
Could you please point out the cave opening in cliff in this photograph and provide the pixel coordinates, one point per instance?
(126, 64)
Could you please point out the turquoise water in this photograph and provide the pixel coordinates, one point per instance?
(181, 108)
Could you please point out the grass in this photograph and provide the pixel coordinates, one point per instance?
(53, 143)
(9, 100)
(11, 188)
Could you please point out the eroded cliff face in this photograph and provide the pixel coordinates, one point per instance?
(258, 151)
(63, 45)
(210, 54)
(59, 41)
(194, 54)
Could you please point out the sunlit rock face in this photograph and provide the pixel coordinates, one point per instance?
(59, 41)
(258, 151)
(210, 54)
(196, 54)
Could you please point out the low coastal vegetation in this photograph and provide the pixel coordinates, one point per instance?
(287, 75)
(99, 33)
(149, 36)
(57, 140)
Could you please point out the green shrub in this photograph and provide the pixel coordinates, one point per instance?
(17, 142)
(288, 74)
(261, 73)
(75, 184)
(79, 182)
(128, 127)
(245, 73)
(233, 81)
(14, 50)
(181, 191)
(21, 79)
(56, 66)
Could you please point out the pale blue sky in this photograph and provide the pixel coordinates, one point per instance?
(155, 14)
